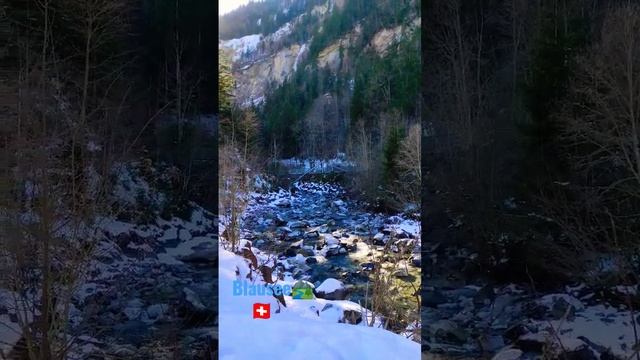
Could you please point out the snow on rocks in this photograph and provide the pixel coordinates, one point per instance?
(243, 46)
(517, 325)
(331, 289)
(508, 354)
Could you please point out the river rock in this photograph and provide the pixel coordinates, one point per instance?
(279, 221)
(368, 266)
(296, 244)
(508, 354)
(192, 308)
(416, 260)
(491, 343)
(332, 289)
(484, 296)
(351, 317)
(297, 224)
(306, 252)
(447, 331)
(401, 272)
(156, 311)
(379, 239)
(312, 235)
(330, 239)
(333, 250)
(581, 353)
(133, 310)
(282, 202)
(290, 252)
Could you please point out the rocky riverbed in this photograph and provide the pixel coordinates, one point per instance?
(316, 232)
(150, 291)
(475, 319)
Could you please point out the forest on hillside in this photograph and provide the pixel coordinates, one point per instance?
(107, 137)
(531, 173)
(365, 107)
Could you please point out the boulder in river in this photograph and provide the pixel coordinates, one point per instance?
(306, 252)
(449, 332)
(296, 244)
(296, 224)
(192, 309)
(330, 239)
(379, 239)
(332, 289)
(332, 250)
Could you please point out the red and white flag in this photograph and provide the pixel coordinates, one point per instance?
(261, 311)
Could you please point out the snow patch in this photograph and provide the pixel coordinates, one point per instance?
(243, 46)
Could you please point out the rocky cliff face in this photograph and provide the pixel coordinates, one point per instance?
(253, 79)
(260, 61)
(384, 38)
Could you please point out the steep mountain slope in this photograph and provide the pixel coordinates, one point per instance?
(320, 49)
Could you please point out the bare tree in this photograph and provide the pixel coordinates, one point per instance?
(598, 213)
(58, 183)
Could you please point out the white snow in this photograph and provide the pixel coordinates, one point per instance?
(302, 328)
(330, 239)
(243, 46)
(330, 285)
(407, 225)
(282, 32)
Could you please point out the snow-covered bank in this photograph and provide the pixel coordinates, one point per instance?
(307, 328)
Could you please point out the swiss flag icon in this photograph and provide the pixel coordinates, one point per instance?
(261, 311)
